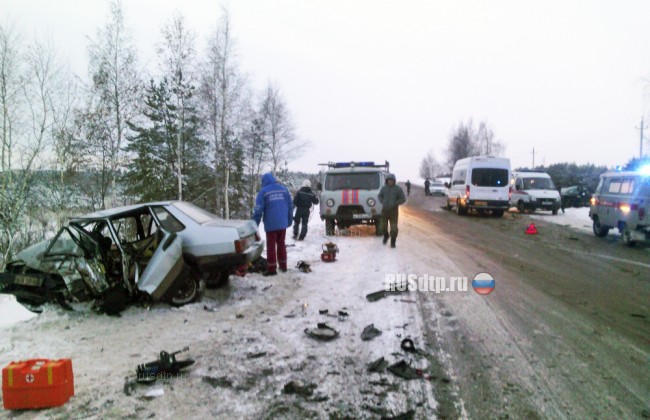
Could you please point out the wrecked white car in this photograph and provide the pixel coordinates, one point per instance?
(164, 251)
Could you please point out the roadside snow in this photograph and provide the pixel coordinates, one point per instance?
(575, 218)
(12, 312)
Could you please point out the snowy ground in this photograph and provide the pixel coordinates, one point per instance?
(575, 218)
(248, 341)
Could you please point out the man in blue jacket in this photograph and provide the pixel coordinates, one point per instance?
(274, 205)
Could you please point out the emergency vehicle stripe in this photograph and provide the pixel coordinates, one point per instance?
(10, 376)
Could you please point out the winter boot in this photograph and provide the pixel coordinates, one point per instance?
(385, 239)
(392, 242)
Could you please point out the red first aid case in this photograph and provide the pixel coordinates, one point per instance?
(37, 383)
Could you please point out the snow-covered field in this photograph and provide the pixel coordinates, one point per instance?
(248, 340)
(576, 218)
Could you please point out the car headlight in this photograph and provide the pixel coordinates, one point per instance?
(371, 202)
(330, 202)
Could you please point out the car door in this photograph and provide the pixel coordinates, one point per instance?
(165, 266)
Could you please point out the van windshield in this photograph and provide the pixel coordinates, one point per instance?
(489, 177)
(538, 184)
(355, 181)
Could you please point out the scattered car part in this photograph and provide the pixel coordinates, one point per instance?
(370, 332)
(166, 365)
(403, 370)
(378, 365)
(303, 267)
(297, 388)
(322, 332)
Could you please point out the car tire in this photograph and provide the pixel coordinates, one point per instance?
(521, 207)
(189, 290)
(599, 230)
(329, 227)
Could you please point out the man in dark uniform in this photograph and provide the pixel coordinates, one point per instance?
(427, 184)
(408, 187)
(391, 196)
(303, 201)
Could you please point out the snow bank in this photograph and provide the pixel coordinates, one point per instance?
(12, 312)
(575, 218)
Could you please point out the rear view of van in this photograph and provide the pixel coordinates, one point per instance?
(480, 183)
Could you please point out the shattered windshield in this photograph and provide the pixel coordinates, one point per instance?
(66, 244)
(538, 184)
(352, 181)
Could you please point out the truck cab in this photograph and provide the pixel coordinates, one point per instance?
(349, 194)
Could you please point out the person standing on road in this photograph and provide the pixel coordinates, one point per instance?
(391, 196)
(302, 201)
(427, 184)
(408, 187)
(273, 205)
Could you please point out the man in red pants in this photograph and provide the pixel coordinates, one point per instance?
(275, 206)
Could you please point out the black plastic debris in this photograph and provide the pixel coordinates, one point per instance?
(322, 332)
(296, 388)
(370, 332)
(256, 355)
(403, 370)
(375, 296)
(378, 365)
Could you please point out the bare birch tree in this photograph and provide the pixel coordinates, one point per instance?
(177, 53)
(28, 75)
(116, 86)
(224, 97)
(279, 130)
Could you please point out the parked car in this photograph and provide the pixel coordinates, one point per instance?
(534, 190)
(622, 201)
(480, 183)
(153, 251)
(575, 196)
(437, 188)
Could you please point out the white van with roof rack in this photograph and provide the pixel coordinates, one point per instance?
(349, 194)
(481, 184)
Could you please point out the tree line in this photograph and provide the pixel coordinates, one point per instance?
(190, 129)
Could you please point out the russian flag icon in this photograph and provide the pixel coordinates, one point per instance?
(483, 283)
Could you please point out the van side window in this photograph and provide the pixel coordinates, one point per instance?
(599, 188)
(627, 186)
(614, 185)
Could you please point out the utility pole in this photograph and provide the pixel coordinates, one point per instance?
(640, 128)
(533, 159)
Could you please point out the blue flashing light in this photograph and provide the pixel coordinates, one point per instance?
(645, 170)
(619, 168)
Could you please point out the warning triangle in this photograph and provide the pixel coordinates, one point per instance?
(532, 230)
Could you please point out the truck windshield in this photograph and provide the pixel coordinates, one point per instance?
(538, 184)
(490, 177)
(353, 181)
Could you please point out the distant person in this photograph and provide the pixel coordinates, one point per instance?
(427, 184)
(302, 201)
(408, 187)
(273, 205)
(391, 196)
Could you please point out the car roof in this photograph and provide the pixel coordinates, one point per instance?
(117, 211)
(615, 174)
(356, 169)
(525, 174)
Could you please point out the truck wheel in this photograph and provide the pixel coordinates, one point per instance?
(329, 227)
(599, 230)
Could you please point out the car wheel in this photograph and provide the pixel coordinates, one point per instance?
(189, 290)
(329, 227)
(218, 279)
(627, 238)
(599, 230)
(521, 207)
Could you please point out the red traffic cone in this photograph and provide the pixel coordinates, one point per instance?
(532, 230)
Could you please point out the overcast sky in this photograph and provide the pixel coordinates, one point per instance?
(388, 80)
